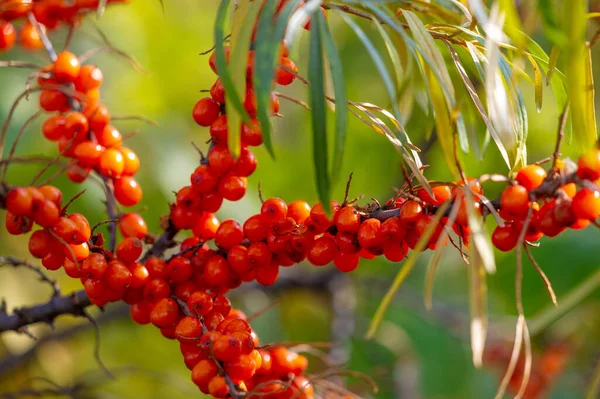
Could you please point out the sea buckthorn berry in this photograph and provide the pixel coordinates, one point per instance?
(168, 332)
(204, 179)
(505, 237)
(8, 35)
(395, 252)
(66, 67)
(140, 313)
(423, 224)
(130, 249)
(46, 213)
(76, 125)
(246, 163)
(237, 258)
(347, 220)
(212, 320)
(283, 226)
(232, 187)
(117, 275)
(109, 137)
(76, 173)
(531, 176)
(392, 232)
(206, 226)
(241, 369)
(140, 275)
(53, 128)
(112, 163)
(369, 234)
(259, 255)
(284, 77)
(217, 387)
(256, 229)
(252, 134)
(441, 194)
(95, 288)
(515, 200)
(462, 216)
(179, 269)
(588, 165)
(322, 251)
(90, 78)
(216, 271)
(188, 328)
(53, 261)
(94, 266)
(83, 231)
(72, 269)
(133, 225)
(65, 229)
(156, 289)
(347, 243)
(227, 348)
(88, 153)
(157, 267)
(544, 220)
(53, 100)
(570, 189)
(220, 159)
(203, 372)
(164, 313)
(346, 262)
(299, 211)
(218, 130)
(98, 118)
(200, 303)
(77, 252)
(19, 201)
(212, 61)
(131, 162)
(206, 111)
(586, 204)
(273, 210)
(410, 212)
(29, 38)
(127, 191)
(564, 213)
(267, 276)
(250, 102)
(229, 233)
(52, 193)
(217, 92)
(211, 202)
(222, 305)
(40, 243)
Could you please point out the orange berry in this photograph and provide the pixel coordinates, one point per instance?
(283, 77)
(586, 204)
(109, 137)
(273, 210)
(88, 154)
(347, 220)
(441, 194)
(8, 36)
(410, 212)
(531, 176)
(588, 165)
(206, 111)
(129, 250)
(322, 251)
(127, 191)
(165, 313)
(515, 200)
(112, 163)
(133, 225)
(54, 127)
(369, 235)
(66, 67)
(90, 78)
(204, 371)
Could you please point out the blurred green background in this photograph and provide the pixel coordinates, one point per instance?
(416, 354)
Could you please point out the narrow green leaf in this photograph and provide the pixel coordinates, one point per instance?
(379, 64)
(554, 54)
(443, 124)
(319, 114)
(539, 90)
(394, 55)
(232, 95)
(267, 47)
(339, 88)
(404, 271)
(428, 47)
(512, 22)
(241, 35)
(577, 67)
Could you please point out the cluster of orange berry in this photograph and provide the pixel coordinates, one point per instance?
(62, 238)
(49, 13)
(551, 211)
(82, 126)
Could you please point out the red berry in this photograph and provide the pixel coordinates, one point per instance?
(127, 191)
(586, 204)
(322, 251)
(273, 210)
(206, 111)
(164, 313)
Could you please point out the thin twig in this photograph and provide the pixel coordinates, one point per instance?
(542, 275)
(101, 364)
(8, 260)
